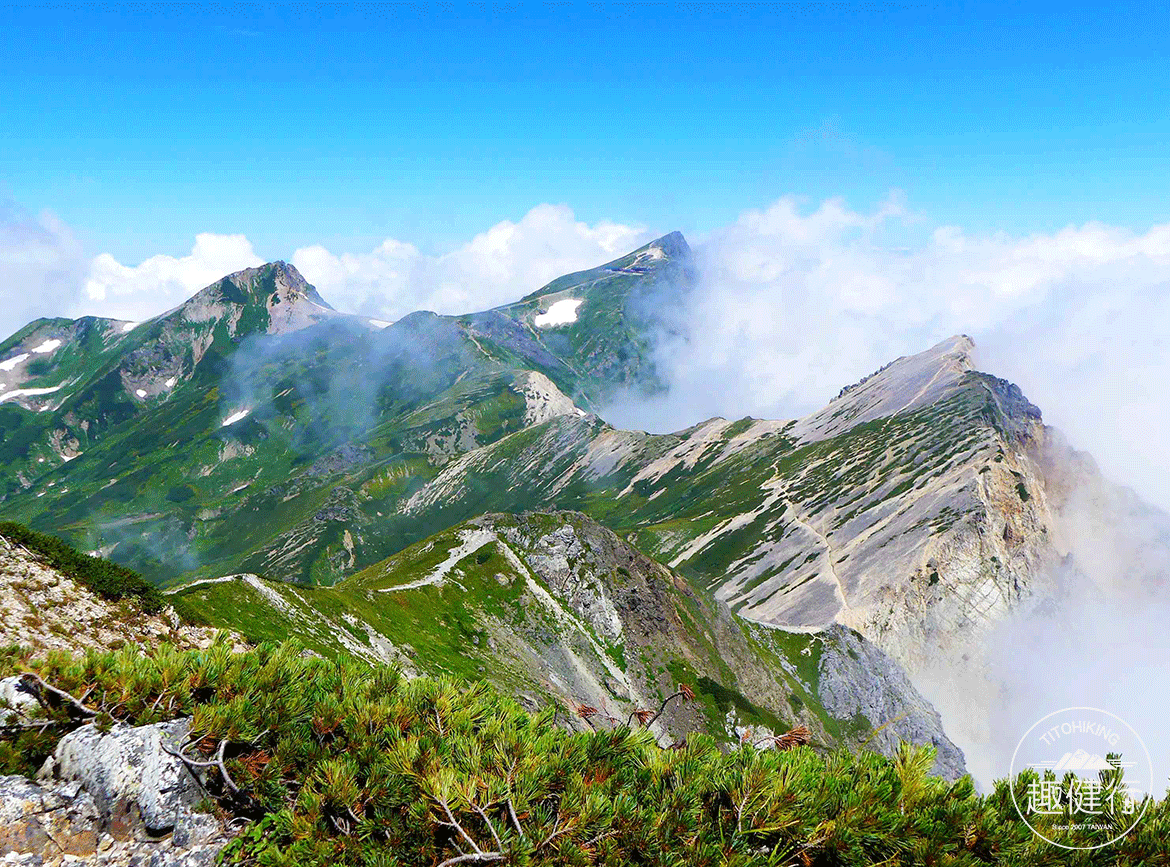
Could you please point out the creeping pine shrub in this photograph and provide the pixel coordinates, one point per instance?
(336, 763)
(108, 580)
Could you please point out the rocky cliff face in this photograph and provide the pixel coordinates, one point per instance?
(858, 679)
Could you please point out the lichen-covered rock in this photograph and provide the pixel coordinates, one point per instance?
(128, 772)
(115, 799)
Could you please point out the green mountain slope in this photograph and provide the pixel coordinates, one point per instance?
(554, 608)
(615, 314)
(189, 443)
(277, 437)
(253, 430)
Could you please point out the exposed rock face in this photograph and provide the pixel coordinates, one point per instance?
(110, 799)
(44, 610)
(856, 678)
(542, 399)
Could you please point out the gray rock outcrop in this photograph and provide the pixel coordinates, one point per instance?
(858, 680)
(115, 799)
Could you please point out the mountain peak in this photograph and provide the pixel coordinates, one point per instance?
(276, 289)
(669, 247)
(673, 245)
(279, 277)
(904, 384)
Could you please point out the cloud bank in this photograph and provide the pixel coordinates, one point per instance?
(161, 282)
(793, 304)
(505, 262)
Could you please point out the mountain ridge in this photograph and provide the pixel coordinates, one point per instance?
(921, 507)
(555, 608)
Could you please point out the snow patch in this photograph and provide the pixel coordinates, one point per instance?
(561, 312)
(130, 326)
(46, 347)
(236, 416)
(28, 392)
(379, 323)
(9, 363)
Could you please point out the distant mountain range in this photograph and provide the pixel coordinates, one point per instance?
(254, 431)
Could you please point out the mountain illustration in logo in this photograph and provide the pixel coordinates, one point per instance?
(1082, 761)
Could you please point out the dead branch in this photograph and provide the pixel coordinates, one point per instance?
(491, 827)
(683, 691)
(37, 686)
(216, 762)
(515, 820)
(472, 856)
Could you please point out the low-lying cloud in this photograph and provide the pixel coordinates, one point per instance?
(793, 304)
(1094, 636)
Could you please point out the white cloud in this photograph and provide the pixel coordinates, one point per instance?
(503, 264)
(41, 263)
(794, 304)
(161, 282)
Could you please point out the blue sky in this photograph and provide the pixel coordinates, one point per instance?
(318, 125)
